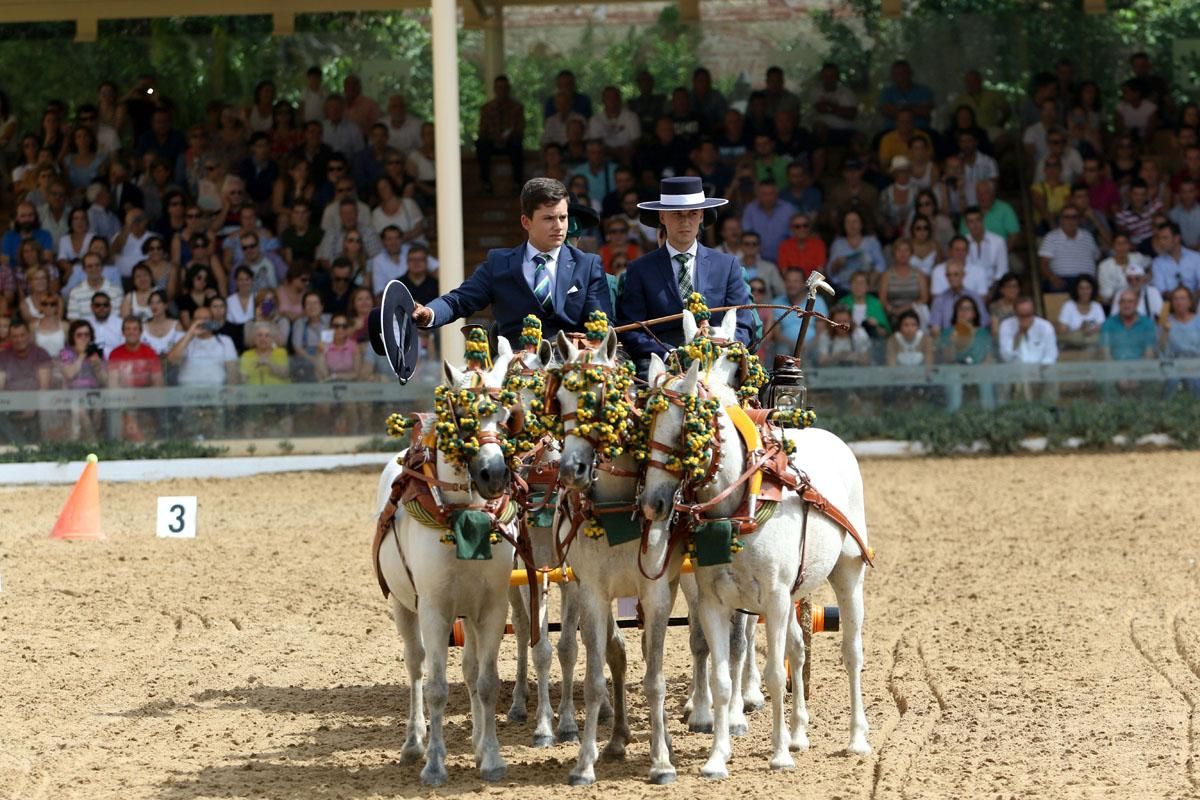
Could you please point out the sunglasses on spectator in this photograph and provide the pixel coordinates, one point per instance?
(796, 226)
(340, 325)
(249, 245)
(758, 290)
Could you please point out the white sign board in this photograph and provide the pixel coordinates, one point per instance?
(176, 518)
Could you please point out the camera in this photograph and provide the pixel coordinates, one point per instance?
(211, 326)
(93, 349)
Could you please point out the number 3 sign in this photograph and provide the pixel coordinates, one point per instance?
(176, 518)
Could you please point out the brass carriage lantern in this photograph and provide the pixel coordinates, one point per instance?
(786, 390)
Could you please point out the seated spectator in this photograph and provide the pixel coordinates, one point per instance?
(616, 240)
(966, 340)
(6, 339)
(37, 291)
(388, 265)
(81, 360)
(976, 279)
(52, 214)
(803, 250)
(843, 347)
(1186, 214)
(266, 311)
(758, 268)
(1128, 335)
(300, 239)
(835, 105)
(554, 129)
(396, 210)
(24, 367)
(307, 338)
(1026, 338)
(984, 247)
(197, 289)
(729, 232)
(1158, 189)
(137, 300)
(1066, 253)
(615, 125)
(688, 124)
(1111, 272)
(998, 216)
(1079, 320)
(598, 170)
(335, 295)
(855, 250)
(909, 346)
(350, 225)
(867, 311)
(714, 173)
(898, 201)
(1149, 298)
(1137, 218)
(768, 216)
(106, 326)
(926, 247)
(903, 93)
(732, 141)
(340, 359)
(205, 358)
(360, 108)
(161, 331)
(800, 190)
(1091, 220)
(941, 312)
(49, 329)
(851, 193)
(1136, 115)
(259, 172)
(420, 279)
(897, 141)
(74, 243)
(25, 226)
(339, 131)
(266, 363)
(296, 184)
(963, 120)
(127, 245)
(420, 168)
(977, 166)
(134, 365)
(240, 305)
(367, 166)
(990, 107)
(1003, 300)
(648, 105)
(796, 143)
(903, 288)
(578, 102)
(1180, 337)
(1049, 195)
(1103, 192)
(1069, 160)
(757, 121)
(1175, 265)
(220, 315)
(706, 102)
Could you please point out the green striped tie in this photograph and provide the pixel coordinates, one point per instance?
(541, 281)
(685, 281)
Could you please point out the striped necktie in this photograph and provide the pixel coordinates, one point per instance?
(685, 280)
(541, 281)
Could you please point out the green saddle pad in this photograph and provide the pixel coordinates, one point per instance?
(472, 534)
(545, 517)
(713, 541)
(619, 528)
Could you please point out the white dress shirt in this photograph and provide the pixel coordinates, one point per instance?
(691, 264)
(991, 254)
(975, 280)
(528, 268)
(1037, 346)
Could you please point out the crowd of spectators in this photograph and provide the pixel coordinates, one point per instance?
(143, 254)
(249, 246)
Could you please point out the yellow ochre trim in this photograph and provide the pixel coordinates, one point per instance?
(749, 433)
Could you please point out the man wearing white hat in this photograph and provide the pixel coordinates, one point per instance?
(658, 283)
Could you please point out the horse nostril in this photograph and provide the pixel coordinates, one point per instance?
(484, 475)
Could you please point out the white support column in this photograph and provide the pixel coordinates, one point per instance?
(493, 48)
(448, 159)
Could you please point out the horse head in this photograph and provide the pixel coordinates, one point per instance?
(669, 439)
(477, 437)
(721, 368)
(589, 377)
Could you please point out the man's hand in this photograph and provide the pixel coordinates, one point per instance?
(422, 315)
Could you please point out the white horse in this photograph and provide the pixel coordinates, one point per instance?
(429, 587)
(544, 734)
(761, 577)
(606, 573)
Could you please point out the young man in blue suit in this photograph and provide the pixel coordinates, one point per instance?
(657, 284)
(544, 276)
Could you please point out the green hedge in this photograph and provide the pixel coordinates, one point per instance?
(115, 450)
(1002, 429)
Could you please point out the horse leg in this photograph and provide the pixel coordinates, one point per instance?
(614, 655)
(796, 650)
(699, 706)
(470, 668)
(517, 595)
(435, 629)
(414, 654)
(487, 632)
(752, 696)
(543, 731)
(779, 611)
(593, 613)
(715, 621)
(607, 714)
(657, 600)
(847, 582)
(737, 666)
(568, 653)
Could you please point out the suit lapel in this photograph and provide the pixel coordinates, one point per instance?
(667, 275)
(515, 259)
(564, 277)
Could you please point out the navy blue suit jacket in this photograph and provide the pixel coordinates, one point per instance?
(579, 288)
(651, 291)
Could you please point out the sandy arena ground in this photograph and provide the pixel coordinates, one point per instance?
(1033, 630)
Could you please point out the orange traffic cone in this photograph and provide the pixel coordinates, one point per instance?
(80, 517)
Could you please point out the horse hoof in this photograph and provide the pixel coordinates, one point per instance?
(783, 762)
(568, 736)
(517, 715)
(799, 743)
(715, 773)
(613, 753)
(739, 729)
(662, 777)
(433, 777)
(495, 773)
(700, 727)
(859, 748)
(580, 780)
(606, 715)
(752, 704)
(410, 756)
(543, 741)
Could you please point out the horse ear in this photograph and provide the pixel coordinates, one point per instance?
(610, 346)
(566, 350)
(503, 348)
(500, 366)
(690, 379)
(454, 375)
(689, 327)
(546, 352)
(728, 328)
(657, 368)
